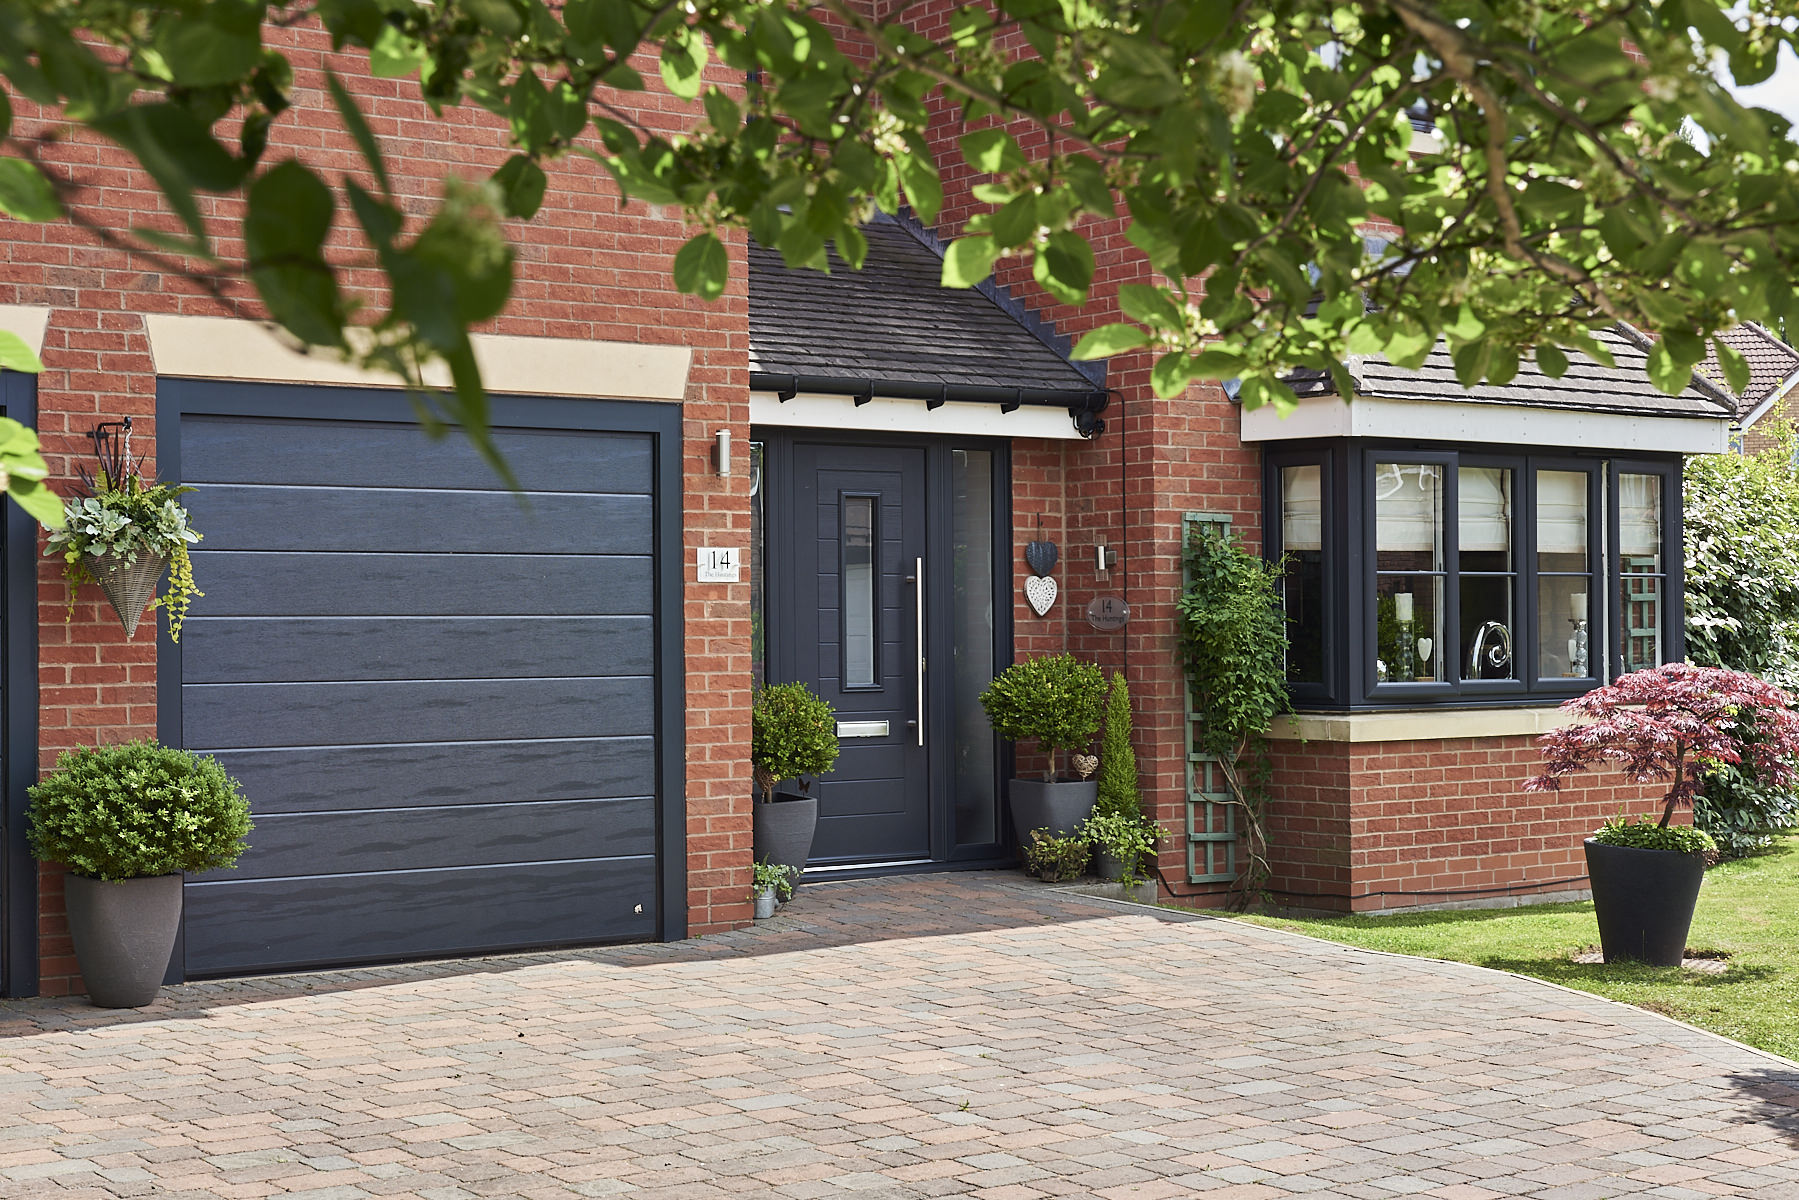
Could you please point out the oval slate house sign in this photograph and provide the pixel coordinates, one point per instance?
(1041, 556)
(1108, 614)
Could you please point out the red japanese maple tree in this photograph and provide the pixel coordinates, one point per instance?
(1677, 722)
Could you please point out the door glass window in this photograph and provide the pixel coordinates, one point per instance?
(758, 569)
(1409, 572)
(860, 643)
(972, 746)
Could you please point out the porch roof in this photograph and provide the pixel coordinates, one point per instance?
(892, 326)
(1587, 386)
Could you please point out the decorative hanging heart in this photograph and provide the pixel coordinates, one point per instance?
(1041, 556)
(1040, 593)
(1086, 764)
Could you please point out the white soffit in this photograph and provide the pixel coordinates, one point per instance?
(1500, 425)
(814, 410)
(229, 348)
(28, 322)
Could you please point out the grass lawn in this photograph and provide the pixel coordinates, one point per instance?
(1748, 910)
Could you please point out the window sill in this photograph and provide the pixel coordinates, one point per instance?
(1418, 726)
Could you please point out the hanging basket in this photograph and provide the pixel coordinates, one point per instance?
(128, 587)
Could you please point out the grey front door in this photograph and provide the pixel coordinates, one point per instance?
(859, 532)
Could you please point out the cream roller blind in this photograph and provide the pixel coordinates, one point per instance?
(1484, 508)
(1561, 512)
(1302, 508)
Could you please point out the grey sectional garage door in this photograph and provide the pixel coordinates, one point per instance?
(441, 699)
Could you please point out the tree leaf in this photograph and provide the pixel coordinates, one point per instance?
(16, 355)
(918, 175)
(1736, 367)
(993, 151)
(684, 64)
(702, 267)
(359, 131)
(968, 261)
(1551, 361)
(521, 182)
(1150, 305)
(1108, 340)
(289, 216)
(25, 195)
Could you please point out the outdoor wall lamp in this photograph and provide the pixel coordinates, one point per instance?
(721, 453)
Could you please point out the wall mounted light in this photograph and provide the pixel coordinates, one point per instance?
(721, 453)
(1104, 558)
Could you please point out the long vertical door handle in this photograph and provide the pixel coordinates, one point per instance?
(918, 614)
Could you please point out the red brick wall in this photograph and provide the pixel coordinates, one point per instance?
(586, 269)
(1380, 825)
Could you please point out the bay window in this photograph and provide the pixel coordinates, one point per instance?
(1426, 576)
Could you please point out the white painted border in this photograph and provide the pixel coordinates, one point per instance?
(229, 348)
(1419, 725)
(813, 410)
(1499, 425)
(28, 322)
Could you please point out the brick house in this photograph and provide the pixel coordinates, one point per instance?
(472, 724)
(1773, 374)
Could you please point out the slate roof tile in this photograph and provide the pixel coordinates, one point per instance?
(1771, 364)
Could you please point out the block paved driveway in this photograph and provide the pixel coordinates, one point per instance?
(949, 1035)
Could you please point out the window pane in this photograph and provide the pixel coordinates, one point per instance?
(1640, 523)
(971, 518)
(1563, 633)
(1562, 521)
(1302, 588)
(1640, 613)
(1408, 517)
(1484, 518)
(859, 591)
(1409, 628)
(1487, 628)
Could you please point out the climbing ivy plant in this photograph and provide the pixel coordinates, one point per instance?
(1234, 648)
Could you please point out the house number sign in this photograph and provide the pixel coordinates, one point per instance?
(719, 564)
(1108, 614)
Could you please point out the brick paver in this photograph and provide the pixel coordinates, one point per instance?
(965, 1035)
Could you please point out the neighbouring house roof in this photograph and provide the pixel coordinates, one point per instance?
(892, 322)
(1773, 368)
(1587, 386)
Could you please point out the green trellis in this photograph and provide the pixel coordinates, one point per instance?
(1211, 816)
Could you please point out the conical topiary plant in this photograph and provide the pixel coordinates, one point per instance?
(1118, 794)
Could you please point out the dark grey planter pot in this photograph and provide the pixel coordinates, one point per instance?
(123, 933)
(784, 828)
(1644, 901)
(1107, 865)
(1060, 806)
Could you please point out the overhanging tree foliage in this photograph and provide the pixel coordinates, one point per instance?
(1248, 148)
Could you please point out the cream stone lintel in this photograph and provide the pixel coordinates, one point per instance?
(1419, 726)
(28, 322)
(229, 348)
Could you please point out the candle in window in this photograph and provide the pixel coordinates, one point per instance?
(1402, 607)
(1577, 604)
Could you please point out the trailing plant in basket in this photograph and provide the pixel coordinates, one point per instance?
(793, 735)
(123, 519)
(1055, 700)
(136, 810)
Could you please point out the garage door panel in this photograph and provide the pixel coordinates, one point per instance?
(356, 454)
(237, 517)
(333, 778)
(223, 716)
(427, 585)
(275, 924)
(291, 844)
(312, 649)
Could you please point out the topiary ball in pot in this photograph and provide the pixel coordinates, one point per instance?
(793, 735)
(127, 821)
(1055, 701)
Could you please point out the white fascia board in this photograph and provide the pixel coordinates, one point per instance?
(815, 410)
(1498, 425)
(28, 322)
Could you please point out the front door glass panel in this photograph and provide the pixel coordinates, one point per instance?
(974, 771)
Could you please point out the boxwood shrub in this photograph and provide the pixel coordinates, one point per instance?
(1647, 835)
(137, 809)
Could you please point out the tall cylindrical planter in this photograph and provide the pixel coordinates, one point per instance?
(784, 828)
(1644, 900)
(124, 933)
(1058, 806)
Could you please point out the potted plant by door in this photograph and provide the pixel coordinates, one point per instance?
(793, 735)
(127, 821)
(1678, 723)
(1131, 842)
(770, 886)
(1055, 701)
(121, 534)
(1118, 793)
